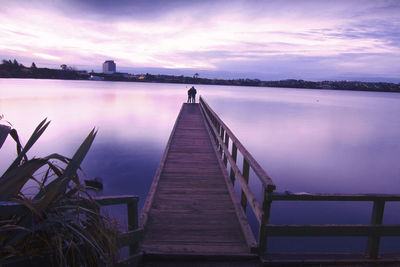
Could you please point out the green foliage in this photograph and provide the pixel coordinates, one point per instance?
(60, 221)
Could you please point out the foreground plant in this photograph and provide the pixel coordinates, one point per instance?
(61, 221)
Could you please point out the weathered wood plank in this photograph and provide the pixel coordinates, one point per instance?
(377, 218)
(333, 197)
(329, 259)
(130, 237)
(333, 230)
(176, 247)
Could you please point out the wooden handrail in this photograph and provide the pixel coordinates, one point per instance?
(246, 190)
(258, 170)
(333, 197)
(333, 230)
(116, 200)
(374, 231)
(223, 135)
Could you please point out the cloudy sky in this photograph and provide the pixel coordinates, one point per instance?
(270, 39)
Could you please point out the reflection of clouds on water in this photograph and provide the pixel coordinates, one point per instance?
(344, 136)
(339, 147)
(126, 167)
(315, 97)
(345, 142)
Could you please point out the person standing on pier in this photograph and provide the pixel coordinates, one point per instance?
(189, 95)
(192, 95)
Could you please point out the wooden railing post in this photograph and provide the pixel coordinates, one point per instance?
(372, 250)
(266, 211)
(133, 222)
(234, 156)
(222, 137)
(227, 145)
(216, 138)
(246, 173)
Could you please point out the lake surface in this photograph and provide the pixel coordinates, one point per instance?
(307, 140)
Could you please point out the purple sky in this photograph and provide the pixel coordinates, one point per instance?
(303, 39)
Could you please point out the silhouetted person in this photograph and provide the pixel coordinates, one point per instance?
(189, 95)
(192, 95)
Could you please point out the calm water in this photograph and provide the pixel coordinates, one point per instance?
(306, 140)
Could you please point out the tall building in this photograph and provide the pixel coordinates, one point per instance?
(109, 67)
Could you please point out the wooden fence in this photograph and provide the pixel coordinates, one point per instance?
(130, 238)
(134, 234)
(374, 231)
(224, 138)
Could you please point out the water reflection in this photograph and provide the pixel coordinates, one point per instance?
(307, 140)
(328, 149)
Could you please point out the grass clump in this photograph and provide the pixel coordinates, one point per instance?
(60, 224)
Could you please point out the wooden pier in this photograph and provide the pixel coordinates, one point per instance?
(191, 208)
(193, 212)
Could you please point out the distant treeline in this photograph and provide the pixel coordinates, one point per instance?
(12, 69)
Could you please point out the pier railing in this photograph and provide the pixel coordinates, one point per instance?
(224, 138)
(130, 238)
(134, 234)
(374, 231)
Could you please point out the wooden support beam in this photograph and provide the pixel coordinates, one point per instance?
(265, 220)
(246, 173)
(222, 140)
(234, 158)
(227, 145)
(333, 230)
(130, 237)
(9, 208)
(372, 249)
(115, 200)
(133, 222)
(333, 197)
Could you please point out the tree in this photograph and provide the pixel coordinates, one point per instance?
(33, 66)
(196, 75)
(63, 67)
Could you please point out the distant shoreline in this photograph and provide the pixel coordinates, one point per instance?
(9, 69)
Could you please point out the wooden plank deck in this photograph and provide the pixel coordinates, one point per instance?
(191, 208)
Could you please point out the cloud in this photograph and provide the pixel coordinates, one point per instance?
(305, 39)
(47, 56)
